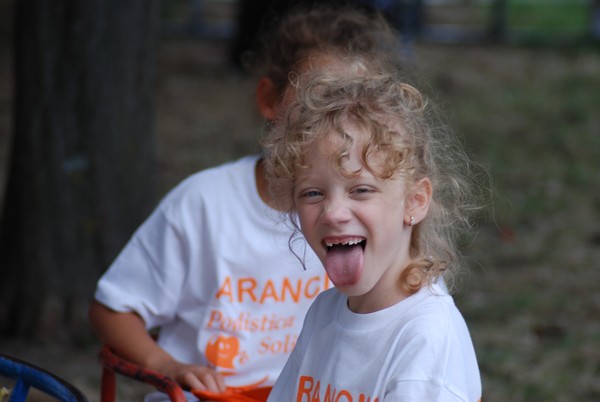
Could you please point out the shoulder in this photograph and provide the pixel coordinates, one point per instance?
(432, 318)
(435, 347)
(229, 173)
(320, 315)
(214, 184)
(328, 299)
(434, 329)
(325, 305)
(430, 302)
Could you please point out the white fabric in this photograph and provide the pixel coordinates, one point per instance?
(212, 267)
(417, 350)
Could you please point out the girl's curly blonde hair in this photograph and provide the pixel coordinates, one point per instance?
(397, 122)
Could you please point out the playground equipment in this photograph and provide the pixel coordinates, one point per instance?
(28, 375)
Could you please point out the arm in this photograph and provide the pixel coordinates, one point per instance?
(126, 334)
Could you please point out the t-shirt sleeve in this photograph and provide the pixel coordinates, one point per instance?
(409, 391)
(147, 275)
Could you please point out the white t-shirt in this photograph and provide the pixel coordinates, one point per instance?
(212, 267)
(417, 350)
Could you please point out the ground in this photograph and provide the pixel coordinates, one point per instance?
(531, 294)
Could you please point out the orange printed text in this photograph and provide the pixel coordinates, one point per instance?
(310, 390)
(249, 322)
(244, 290)
(270, 345)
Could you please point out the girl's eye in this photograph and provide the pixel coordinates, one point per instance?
(310, 194)
(307, 194)
(362, 190)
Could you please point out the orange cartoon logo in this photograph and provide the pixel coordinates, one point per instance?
(222, 350)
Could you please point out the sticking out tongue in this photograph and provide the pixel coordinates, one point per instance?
(344, 264)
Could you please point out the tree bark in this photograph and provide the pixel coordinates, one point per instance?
(497, 28)
(595, 20)
(81, 175)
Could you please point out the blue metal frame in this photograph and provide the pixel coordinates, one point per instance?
(28, 375)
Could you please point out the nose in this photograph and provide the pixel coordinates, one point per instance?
(335, 212)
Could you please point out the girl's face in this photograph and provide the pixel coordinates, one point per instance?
(357, 225)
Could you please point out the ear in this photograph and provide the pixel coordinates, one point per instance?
(266, 98)
(418, 201)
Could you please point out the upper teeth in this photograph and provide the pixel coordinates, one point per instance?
(343, 242)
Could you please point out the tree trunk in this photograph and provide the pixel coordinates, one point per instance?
(497, 28)
(595, 20)
(81, 173)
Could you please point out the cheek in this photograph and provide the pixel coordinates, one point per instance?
(385, 227)
(305, 216)
(308, 220)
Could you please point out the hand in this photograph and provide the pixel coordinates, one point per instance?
(196, 377)
(126, 334)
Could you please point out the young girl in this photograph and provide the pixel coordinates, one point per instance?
(211, 266)
(378, 196)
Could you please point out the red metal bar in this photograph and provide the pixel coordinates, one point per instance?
(107, 393)
(112, 363)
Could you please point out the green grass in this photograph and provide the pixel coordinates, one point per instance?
(545, 140)
(541, 21)
(544, 15)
